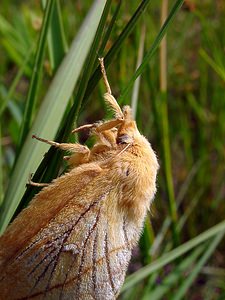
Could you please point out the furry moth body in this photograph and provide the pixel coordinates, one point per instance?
(74, 240)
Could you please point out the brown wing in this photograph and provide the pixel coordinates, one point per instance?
(82, 253)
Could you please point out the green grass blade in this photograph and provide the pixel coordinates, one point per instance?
(1, 168)
(136, 88)
(52, 161)
(36, 75)
(173, 277)
(116, 46)
(192, 205)
(167, 161)
(14, 42)
(109, 29)
(153, 48)
(16, 80)
(180, 197)
(172, 255)
(57, 45)
(219, 69)
(83, 86)
(209, 250)
(51, 111)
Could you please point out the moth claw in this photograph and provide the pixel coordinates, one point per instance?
(66, 157)
(30, 182)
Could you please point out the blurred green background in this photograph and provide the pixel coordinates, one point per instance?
(179, 103)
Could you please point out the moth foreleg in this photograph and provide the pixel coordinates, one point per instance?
(107, 125)
(86, 126)
(81, 155)
(100, 127)
(106, 140)
(108, 137)
(30, 182)
(71, 147)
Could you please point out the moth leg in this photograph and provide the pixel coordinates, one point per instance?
(71, 147)
(106, 134)
(78, 158)
(86, 126)
(108, 137)
(107, 125)
(80, 152)
(30, 182)
(106, 140)
(97, 127)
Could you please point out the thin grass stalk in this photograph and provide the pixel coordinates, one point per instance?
(51, 111)
(213, 271)
(36, 75)
(167, 222)
(50, 164)
(15, 82)
(220, 70)
(172, 255)
(187, 214)
(165, 129)
(209, 249)
(116, 47)
(171, 279)
(163, 50)
(134, 97)
(188, 211)
(1, 168)
(146, 241)
(88, 68)
(153, 48)
(57, 44)
(57, 48)
(106, 36)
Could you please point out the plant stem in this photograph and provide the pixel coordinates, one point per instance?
(165, 129)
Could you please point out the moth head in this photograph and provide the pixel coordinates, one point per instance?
(127, 131)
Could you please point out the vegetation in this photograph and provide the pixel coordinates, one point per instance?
(178, 101)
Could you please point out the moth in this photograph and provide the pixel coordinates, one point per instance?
(75, 238)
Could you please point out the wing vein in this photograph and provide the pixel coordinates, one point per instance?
(125, 235)
(66, 235)
(94, 261)
(65, 239)
(107, 257)
(91, 230)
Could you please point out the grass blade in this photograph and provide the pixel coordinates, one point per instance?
(153, 48)
(57, 45)
(37, 70)
(51, 163)
(174, 276)
(172, 255)
(135, 92)
(1, 169)
(116, 46)
(51, 111)
(209, 249)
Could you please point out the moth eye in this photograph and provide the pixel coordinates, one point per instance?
(124, 139)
